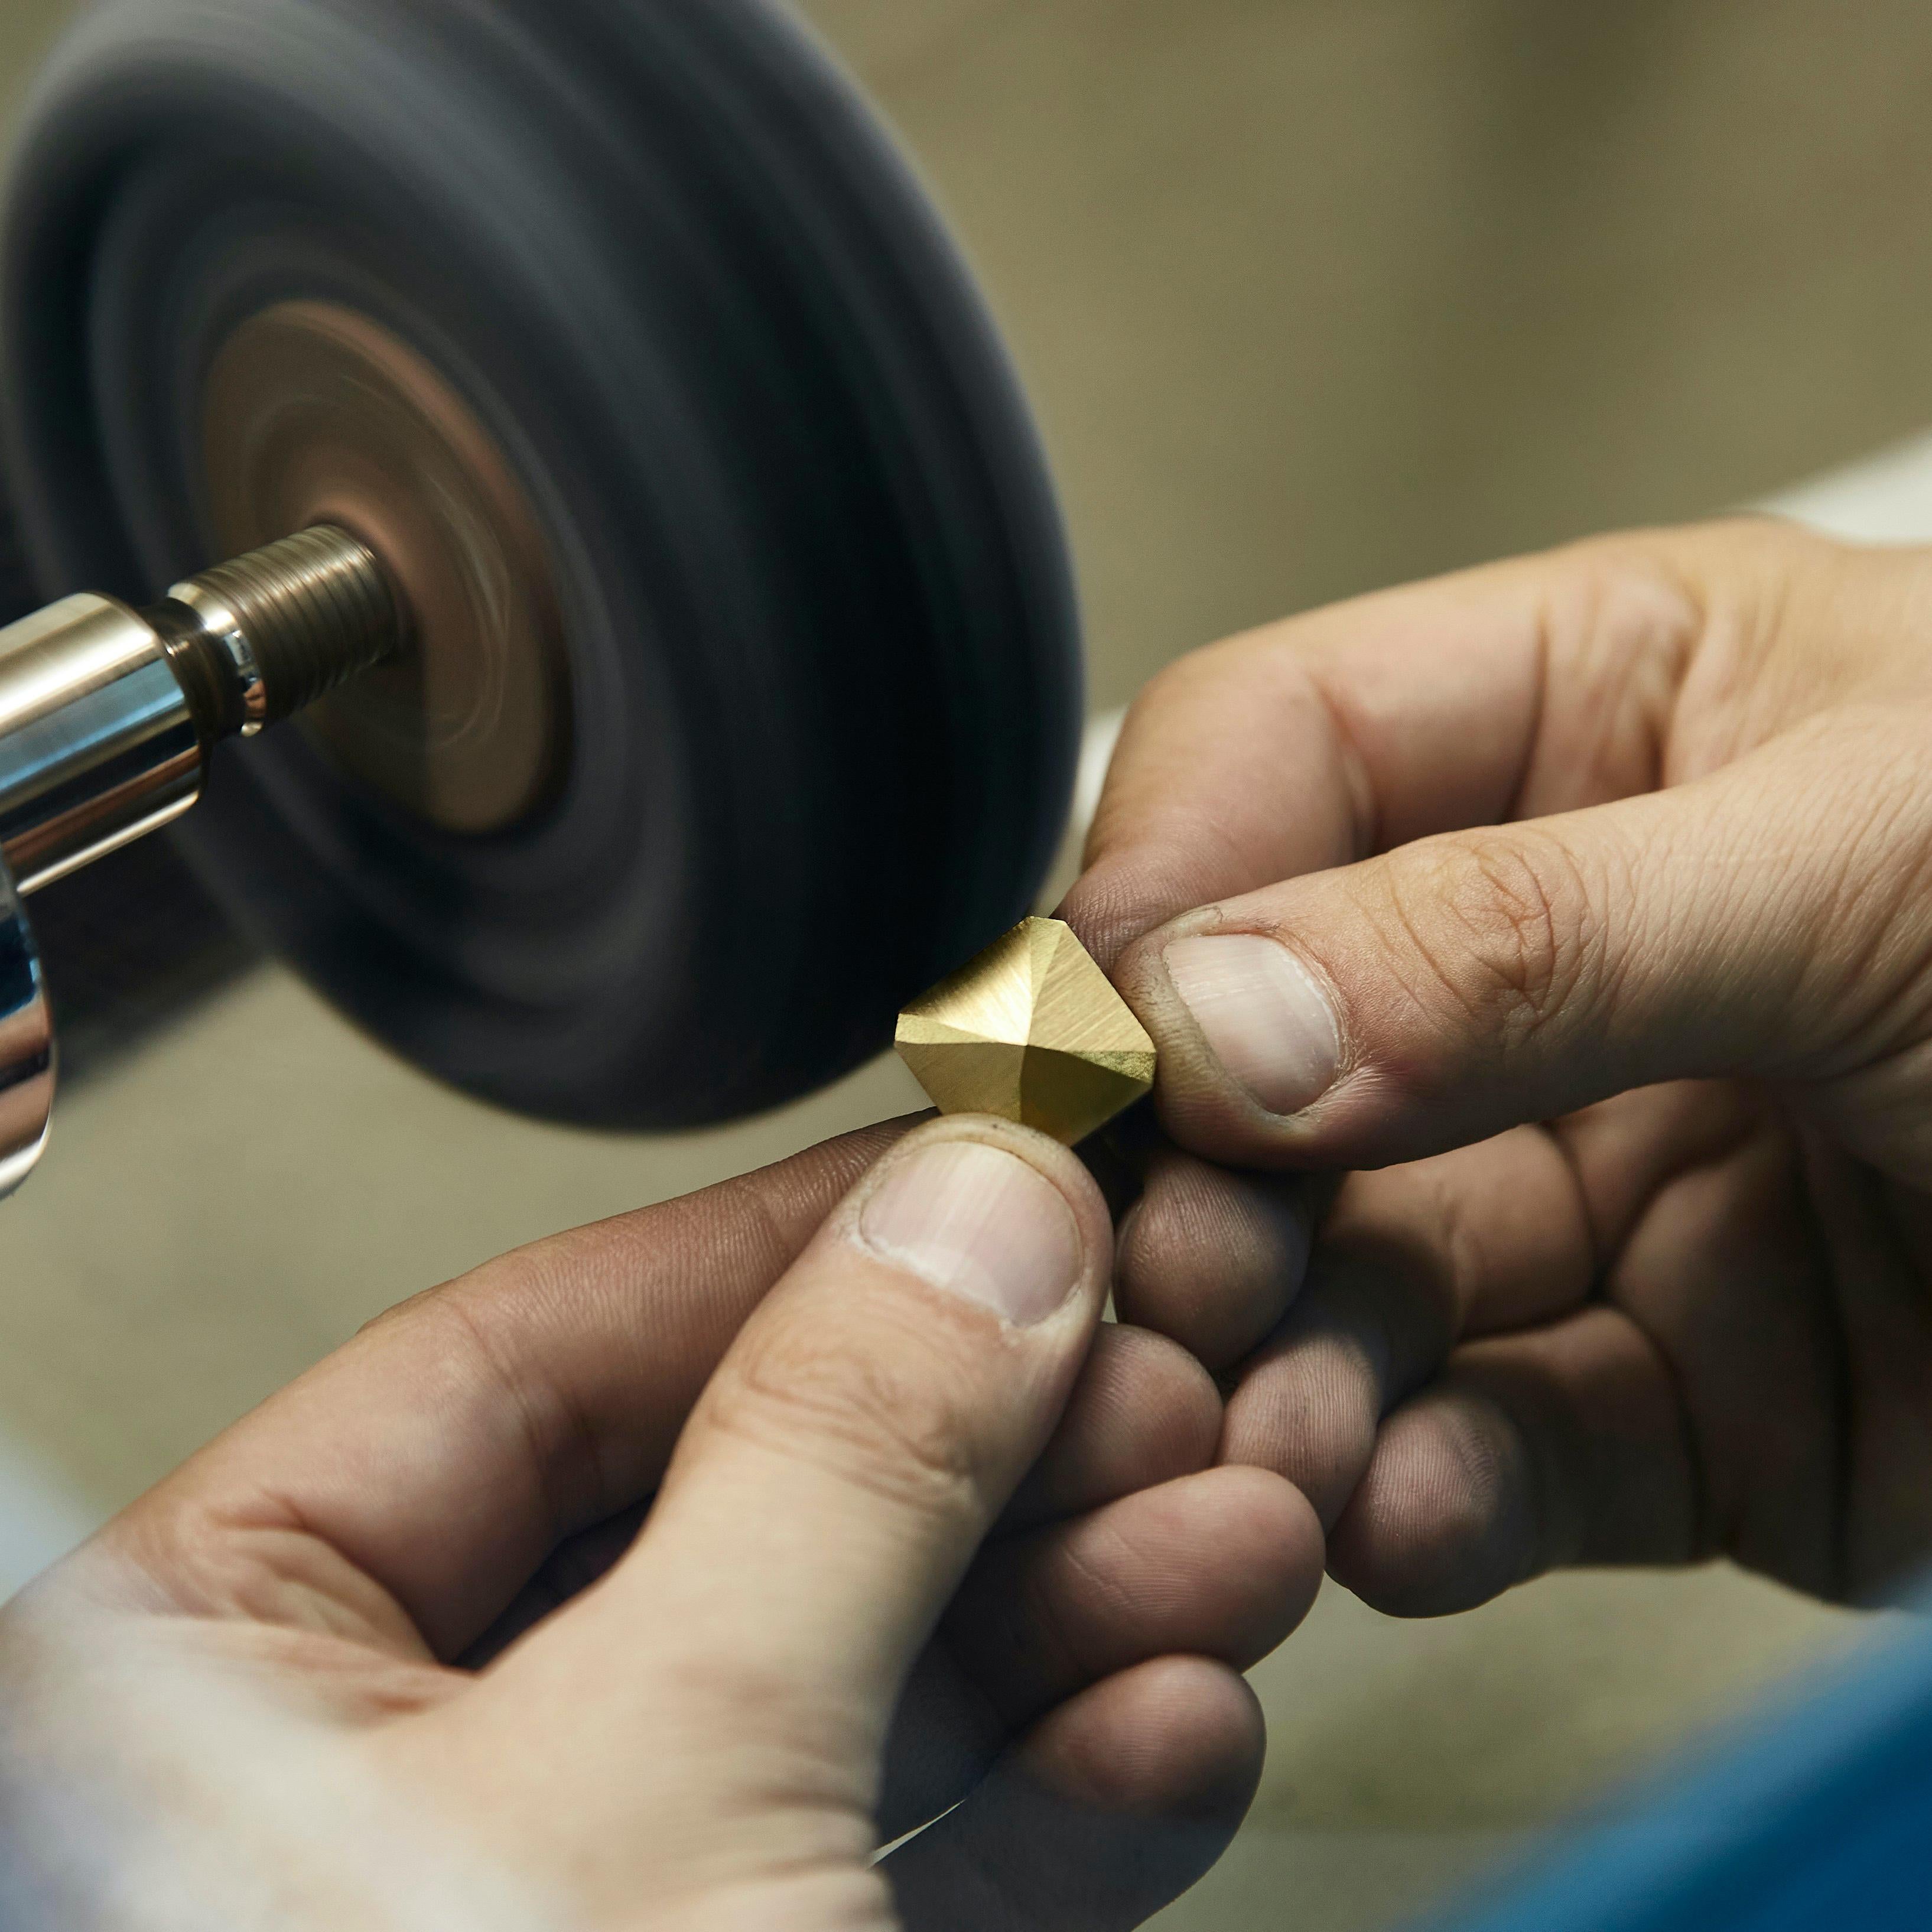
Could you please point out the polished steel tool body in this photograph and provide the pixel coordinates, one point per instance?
(108, 716)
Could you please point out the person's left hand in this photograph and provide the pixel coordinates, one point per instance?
(393, 1652)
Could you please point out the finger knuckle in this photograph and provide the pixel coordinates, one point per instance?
(893, 1417)
(1505, 922)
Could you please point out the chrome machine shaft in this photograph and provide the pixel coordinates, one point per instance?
(108, 717)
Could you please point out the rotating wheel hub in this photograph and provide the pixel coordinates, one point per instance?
(315, 415)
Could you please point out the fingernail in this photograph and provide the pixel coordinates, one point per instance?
(980, 1223)
(1261, 1011)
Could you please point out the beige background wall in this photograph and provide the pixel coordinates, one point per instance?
(1312, 295)
(1316, 294)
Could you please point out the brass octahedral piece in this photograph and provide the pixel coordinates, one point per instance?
(1030, 1030)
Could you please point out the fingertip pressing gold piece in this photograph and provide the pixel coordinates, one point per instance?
(1031, 1031)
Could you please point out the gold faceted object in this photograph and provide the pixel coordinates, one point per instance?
(1033, 1031)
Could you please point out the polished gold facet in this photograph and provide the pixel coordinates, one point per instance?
(1030, 1030)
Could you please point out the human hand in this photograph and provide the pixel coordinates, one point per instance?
(1588, 899)
(344, 1668)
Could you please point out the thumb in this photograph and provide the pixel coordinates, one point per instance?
(853, 1449)
(1748, 923)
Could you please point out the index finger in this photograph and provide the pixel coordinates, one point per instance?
(417, 1477)
(1521, 688)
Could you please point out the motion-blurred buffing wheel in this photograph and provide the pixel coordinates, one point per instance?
(816, 689)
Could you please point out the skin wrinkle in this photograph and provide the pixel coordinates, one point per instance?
(1681, 1401)
(185, 1555)
(1637, 870)
(1114, 905)
(1654, 687)
(1647, 668)
(1080, 1588)
(1451, 1265)
(1880, 1115)
(351, 1685)
(564, 1449)
(1091, 1569)
(1769, 870)
(1596, 1238)
(806, 1764)
(1389, 810)
(298, 1570)
(1696, 1454)
(1105, 1556)
(748, 1227)
(1462, 1248)
(1534, 736)
(1862, 912)
(1086, 1567)
(1455, 1269)
(783, 1403)
(738, 1229)
(737, 1233)
(1154, 829)
(1365, 820)
(1058, 1573)
(1533, 933)
(1736, 637)
(1407, 888)
(344, 1683)
(1218, 835)
(261, 1562)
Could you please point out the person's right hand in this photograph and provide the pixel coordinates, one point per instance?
(1587, 898)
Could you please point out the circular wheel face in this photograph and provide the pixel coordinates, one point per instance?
(742, 694)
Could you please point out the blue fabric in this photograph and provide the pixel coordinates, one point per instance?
(1819, 1816)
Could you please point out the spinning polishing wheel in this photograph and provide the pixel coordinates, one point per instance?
(677, 612)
